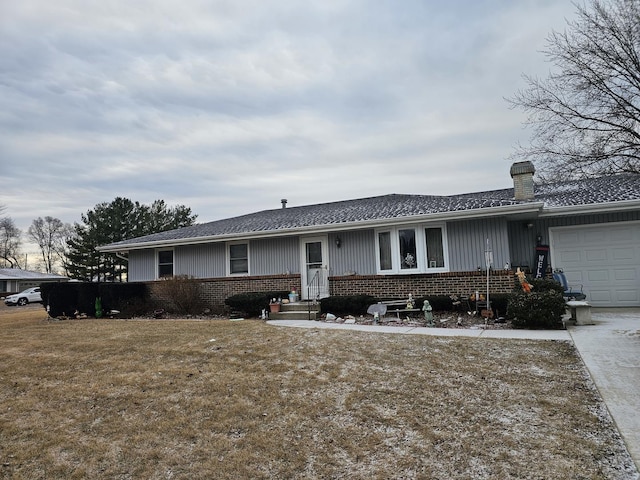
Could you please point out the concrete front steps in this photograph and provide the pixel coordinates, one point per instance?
(297, 311)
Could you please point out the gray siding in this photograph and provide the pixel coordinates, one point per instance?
(522, 239)
(357, 253)
(201, 261)
(468, 239)
(142, 265)
(274, 256)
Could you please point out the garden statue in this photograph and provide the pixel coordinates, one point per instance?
(526, 286)
(428, 315)
(98, 306)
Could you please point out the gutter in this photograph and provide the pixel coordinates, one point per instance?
(609, 207)
(522, 208)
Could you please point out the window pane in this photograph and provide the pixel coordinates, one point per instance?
(384, 242)
(239, 266)
(435, 250)
(407, 240)
(238, 251)
(165, 270)
(239, 258)
(314, 253)
(165, 263)
(165, 256)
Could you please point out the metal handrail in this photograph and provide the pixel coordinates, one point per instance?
(316, 280)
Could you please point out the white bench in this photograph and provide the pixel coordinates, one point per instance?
(580, 312)
(397, 306)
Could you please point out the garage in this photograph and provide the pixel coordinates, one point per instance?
(604, 259)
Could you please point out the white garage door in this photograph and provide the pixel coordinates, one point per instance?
(605, 259)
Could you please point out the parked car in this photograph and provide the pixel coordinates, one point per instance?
(27, 296)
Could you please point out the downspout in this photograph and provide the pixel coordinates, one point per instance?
(121, 256)
(126, 259)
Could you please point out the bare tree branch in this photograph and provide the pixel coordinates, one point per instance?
(585, 117)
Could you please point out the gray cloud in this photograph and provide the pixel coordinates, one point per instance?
(228, 106)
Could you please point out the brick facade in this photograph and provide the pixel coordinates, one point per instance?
(400, 286)
(216, 290)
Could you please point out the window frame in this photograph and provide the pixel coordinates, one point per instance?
(173, 262)
(229, 259)
(422, 262)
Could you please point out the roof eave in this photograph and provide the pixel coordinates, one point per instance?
(532, 207)
(608, 207)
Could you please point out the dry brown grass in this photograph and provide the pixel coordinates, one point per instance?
(220, 399)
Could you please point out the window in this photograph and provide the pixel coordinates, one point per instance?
(435, 249)
(407, 244)
(384, 248)
(239, 259)
(165, 263)
(412, 249)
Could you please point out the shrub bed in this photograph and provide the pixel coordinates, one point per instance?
(347, 304)
(536, 310)
(251, 304)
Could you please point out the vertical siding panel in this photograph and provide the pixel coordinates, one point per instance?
(142, 266)
(357, 253)
(274, 256)
(200, 261)
(468, 241)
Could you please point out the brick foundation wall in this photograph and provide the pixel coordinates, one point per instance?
(215, 290)
(400, 286)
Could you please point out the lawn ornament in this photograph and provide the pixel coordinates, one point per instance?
(428, 313)
(526, 286)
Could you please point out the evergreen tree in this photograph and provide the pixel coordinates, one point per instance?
(112, 222)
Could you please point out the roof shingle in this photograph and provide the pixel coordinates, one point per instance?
(561, 194)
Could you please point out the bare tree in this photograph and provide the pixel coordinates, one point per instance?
(50, 234)
(10, 238)
(586, 115)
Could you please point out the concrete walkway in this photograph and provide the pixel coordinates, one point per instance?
(610, 349)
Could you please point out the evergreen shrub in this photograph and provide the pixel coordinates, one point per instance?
(251, 304)
(347, 304)
(536, 310)
(439, 303)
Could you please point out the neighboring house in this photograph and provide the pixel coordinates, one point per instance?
(393, 245)
(15, 280)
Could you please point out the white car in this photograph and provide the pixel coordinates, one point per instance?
(27, 296)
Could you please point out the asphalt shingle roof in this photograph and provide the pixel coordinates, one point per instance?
(19, 274)
(561, 194)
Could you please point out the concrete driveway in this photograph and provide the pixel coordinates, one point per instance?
(611, 351)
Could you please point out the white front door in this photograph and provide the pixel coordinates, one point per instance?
(315, 271)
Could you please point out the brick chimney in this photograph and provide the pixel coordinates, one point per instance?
(522, 174)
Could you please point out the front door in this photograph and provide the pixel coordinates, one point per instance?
(315, 276)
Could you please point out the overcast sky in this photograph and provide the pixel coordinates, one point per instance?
(228, 106)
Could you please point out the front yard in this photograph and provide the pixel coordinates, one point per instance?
(222, 399)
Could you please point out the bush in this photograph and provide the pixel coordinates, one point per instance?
(182, 293)
(347, 304)
(251, 304)
(499, 302)
(439, 303)
(546, 285)
(536, 309)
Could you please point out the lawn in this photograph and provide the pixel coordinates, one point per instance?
(129, 399)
